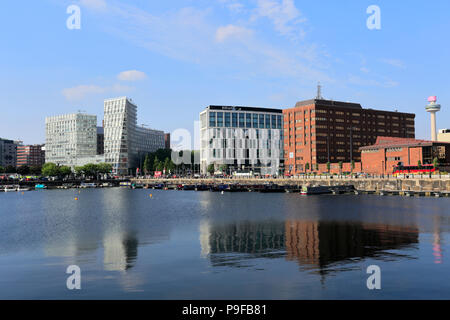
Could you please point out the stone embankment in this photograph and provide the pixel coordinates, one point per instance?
(423, 184)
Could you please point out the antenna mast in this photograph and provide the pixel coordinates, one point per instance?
(319, 91)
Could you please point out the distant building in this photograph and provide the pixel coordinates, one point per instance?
(167, 140)
(70, 137)
(388, 152)
(30, 155)
(444, 135)
(8, 152)
(100, 140)
(244, 138)
(319, 131)
(125, 142)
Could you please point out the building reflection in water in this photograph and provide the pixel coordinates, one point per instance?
(313, 244)
(437, 241)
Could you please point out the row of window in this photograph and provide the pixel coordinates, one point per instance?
(244, 120)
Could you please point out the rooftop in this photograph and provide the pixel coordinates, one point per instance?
(391, 142)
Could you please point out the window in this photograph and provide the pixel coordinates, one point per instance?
(241, 120)
(234, 120)
(220, 119)
(212, 119)
(227, 120)
(279, 122)
(248, 120)
(261, 121)
(274, 122)
(255, 120)
(267, 121)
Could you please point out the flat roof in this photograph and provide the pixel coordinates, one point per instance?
(240, 108)
(390, 142)
(342, 104)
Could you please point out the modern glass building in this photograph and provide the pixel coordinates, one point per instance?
(8, 152)
(125, 143)
(70, 137)
(244, 139)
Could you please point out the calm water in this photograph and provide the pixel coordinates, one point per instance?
(202, 245)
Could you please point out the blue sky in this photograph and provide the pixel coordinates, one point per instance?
(173, 58)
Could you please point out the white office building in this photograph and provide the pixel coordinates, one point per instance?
(125, 142)
(245, 139)
(70, 138)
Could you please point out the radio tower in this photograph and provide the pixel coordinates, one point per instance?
(432, 108)
(319, 92)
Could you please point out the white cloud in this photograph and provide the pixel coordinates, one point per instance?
(94, 4)
(233, 5)
(284, 15)
(233, 32)
(82, 91)
(131, 75)
(384, 83)
(193, 35)
(394, 62)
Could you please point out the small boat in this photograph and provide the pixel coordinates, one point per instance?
(88, 185)
(201, 187)
(310, 190)
(23, 189)
(10, 188)
(40, 186)
(272, 188)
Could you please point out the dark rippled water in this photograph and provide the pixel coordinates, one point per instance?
(202, 245)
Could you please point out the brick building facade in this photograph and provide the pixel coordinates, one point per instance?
(386, 153)
(320, 131)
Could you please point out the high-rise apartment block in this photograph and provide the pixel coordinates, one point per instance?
(244, 138)
(318, 131)
(125, 142)
(8, 152)
(70, 137)
(31, 155)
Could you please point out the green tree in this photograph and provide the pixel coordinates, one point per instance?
(353, 165)
(156, 164)
(341, 164)
(435, 163)
(90, 170)
(65, 171)
(50, 169)
(160, 166)
(147, 164)
(317, 167)
(328, 166)
(36, 170)
(419, 164)
(307, 166)
(10, 169)
(211, 168)
(2, 170)
(224, 168)
(23, 170)
(104, 168)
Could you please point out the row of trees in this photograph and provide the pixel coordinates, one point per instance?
(23, 170)
(162, 160)
(53, 170)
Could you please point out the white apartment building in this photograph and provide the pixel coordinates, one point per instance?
(125, 142)
(70, 137)
(444, 135)
(244, 138)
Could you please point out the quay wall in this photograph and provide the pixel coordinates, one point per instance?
(363, 184)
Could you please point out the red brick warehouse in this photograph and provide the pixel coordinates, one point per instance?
(320, 131)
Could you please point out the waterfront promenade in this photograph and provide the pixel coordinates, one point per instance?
(424, 183)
